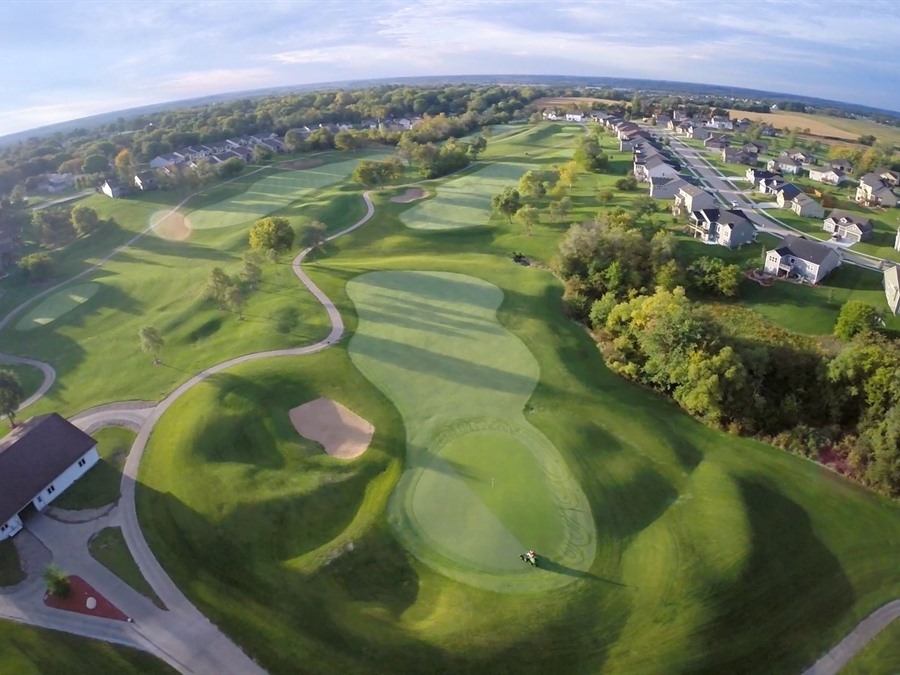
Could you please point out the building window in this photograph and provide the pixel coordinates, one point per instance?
(51, 490)
(82, 461)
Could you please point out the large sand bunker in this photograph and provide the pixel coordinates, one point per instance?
(171, 225)
(343, 433)
(411, 195)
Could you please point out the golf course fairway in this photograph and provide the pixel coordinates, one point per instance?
(56, 305)
(481, 484)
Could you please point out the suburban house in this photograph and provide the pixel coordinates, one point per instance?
(754, 147)
(742, 125)
(800, 156)
(666, 188)
(768, 130)
(755, 175)
(848, 225)
(698, 132)
(720, 122)
(574, 117)
(784, 164)
(784, 193)
(39, 459)
(57, 182)
(112, 188)
(691, 198)
(166, 161)
(728, 228)
(662, 120)
(145, 180)
(844, 165)
(874, 190)
(809, 261)
(739, 156)
(716, 142)
(827, 174)
(680, 115)
(804, 205)
(652, 166)
(890, 176)
(892, 288)
(771, 186)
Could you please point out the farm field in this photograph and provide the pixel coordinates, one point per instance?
(725, 554)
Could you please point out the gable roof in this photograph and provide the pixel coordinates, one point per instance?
(790, 191)
(800, 247)
(692, 190)
(33, 455)
(841, 216)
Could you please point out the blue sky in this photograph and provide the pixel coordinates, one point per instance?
(68, 59)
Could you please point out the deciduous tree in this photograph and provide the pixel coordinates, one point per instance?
(151, 341)
(11, 395)
(85, 220)
(507, 202)
(856, 317)
(527, 216)
(272, 233)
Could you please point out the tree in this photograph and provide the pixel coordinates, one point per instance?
(261, 153)
(217, 286)
(294, 139)
(560, 208)
(314, 235)
(605, 195)
(37, 266)
(627, 184)
(272, 233)
(56, 581)
(124, 163)
(507, 202)
(11, 395)
(95, 164)
(151, 341)
(527, 217)
(568, 173)
(477, 145)
(370, 173)
(856, 317)
(230, 167)
(347, 140)
(84, 219)
(531, 184)
(251, 270)
(235, 299)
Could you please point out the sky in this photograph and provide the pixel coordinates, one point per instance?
(67, 59)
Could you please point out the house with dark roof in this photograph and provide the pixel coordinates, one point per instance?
(755, 175)
(112, 188)
(844, 165)
(850, 226)
(717, 142)
(874, 190)
(784, 164)
(39, 459)
(145, 180)
(784, 193)
(800, 156)
(739, 156)
(804, 205)
(666, 187)
(802, 259)
(725, 227)
(691, 198)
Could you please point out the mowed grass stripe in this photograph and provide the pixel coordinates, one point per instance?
(482, 484)
(270, 194)
(464, 201)
(56, 305)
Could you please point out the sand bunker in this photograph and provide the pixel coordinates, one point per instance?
(343, 433)
(411, 195)
(170, 225)
(300, 164)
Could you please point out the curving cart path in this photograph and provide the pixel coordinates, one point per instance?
(181, 635)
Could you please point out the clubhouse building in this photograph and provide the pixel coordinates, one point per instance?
(38, 460)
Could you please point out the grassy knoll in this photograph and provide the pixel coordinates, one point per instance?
(879, 657)
(108, 547)
(100, 485)
(11, 571)
(481, 484)
(25, 650)
(724, 554)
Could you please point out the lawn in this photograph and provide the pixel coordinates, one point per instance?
(724, 554)
(11, 571)
(100, 485)
(880, 657)
(478, 488)
(54, 306)
(108, 547)
(30, 378)
(25, 650)
(464, 201)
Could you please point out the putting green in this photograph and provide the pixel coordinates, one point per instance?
(270, 194)
(481, 484)
(54, 306)
(464, 201)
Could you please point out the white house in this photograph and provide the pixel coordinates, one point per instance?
(574, 117)
(809, 261)
(38, 460)
(784, 164)
(112, 188)
(653, 166)
(827, 175)
(892, 288)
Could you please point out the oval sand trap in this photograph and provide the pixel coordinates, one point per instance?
(56, 305)
(171, 225)
(411, 195)
(481, 485)
(342, 433)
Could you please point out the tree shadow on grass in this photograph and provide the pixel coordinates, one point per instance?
(555, 567)
(791, 591)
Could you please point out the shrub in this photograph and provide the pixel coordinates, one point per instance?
(57, 581)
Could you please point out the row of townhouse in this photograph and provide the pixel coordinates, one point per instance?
(220, 151)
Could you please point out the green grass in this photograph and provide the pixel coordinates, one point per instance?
(880, 657)
(100, 485)
(464, 201)
(25, 650)
(275, 190)
(724, 554)
(479, 487)
(30, 378)
(54, 306)
(11, 571)
(108, 547)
